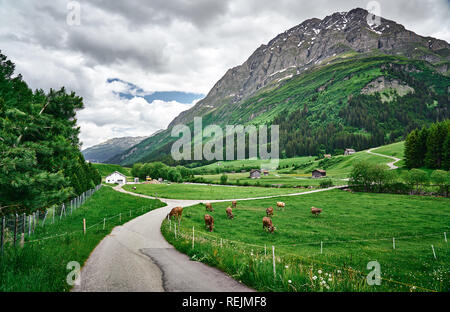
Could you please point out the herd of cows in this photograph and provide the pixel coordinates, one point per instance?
(177, 213)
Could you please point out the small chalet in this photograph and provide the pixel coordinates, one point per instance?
(255, 173)
(349, 151)
(136, 180)
(116, 177)
(319, 173)
(266, 172)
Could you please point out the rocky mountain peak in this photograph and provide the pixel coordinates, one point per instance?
(315, 42)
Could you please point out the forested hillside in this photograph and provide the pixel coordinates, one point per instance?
(41, 163)
(429, 147)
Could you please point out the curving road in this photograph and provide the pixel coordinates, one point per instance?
(390, 164)
(136, 257)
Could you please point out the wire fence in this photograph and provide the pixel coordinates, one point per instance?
(15, 227)
(243, 247)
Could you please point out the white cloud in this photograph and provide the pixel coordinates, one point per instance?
(161, 45)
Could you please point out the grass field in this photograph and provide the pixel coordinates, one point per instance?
(347, 219)
(395, 149)
(273, 179)
(338, 168)
(41, 265)
(195, 191)
(107, 169)
(237, 165)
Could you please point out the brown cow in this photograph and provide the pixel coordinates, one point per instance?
(176, 212)
(229, 213)
(209, 222)
(233, 204)
(316, 211)
(269, 211)
(267, 224)
(281, 205)
(209, 207)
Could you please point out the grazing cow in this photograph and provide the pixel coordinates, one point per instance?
(281, 205)
(230, 213)
(209, 207)
(134, 188)
(268, 225)
(209, 222)
(269, 211)
(176, 212)
(233, 204)
(316, 211)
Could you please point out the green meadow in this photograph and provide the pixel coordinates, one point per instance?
(354, 229)
(199, 191)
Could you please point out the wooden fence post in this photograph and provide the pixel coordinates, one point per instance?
(193, 235)
(34, 222)
(273, 261)
(104, 223)
(434, 254)
(24, 225)
(22, 239)
(53, 220)
(175, 230)
(84, 226)
(29, 225)
(393, 242)
(2, 234)
(445, 236)
(16, 221)
(45, 218)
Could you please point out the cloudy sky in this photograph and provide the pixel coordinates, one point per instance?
(138, 64)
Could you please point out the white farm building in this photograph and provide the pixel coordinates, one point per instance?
(116, 177)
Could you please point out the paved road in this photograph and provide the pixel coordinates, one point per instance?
(391, 164)
(136, 257)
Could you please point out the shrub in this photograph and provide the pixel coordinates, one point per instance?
(326, 183)
(417, 178)
(223, 179)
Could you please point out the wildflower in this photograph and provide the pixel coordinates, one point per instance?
(320, 271)
(339, 271)
(314, 277)
(289, 281)
(328, 287)
(286, 266)
(330, 279)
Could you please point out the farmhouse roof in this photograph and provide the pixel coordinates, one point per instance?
(117, 173)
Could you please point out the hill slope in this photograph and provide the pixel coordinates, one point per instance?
(329, 84)
(102, 152)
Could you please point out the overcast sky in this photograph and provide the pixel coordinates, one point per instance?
(161, 45)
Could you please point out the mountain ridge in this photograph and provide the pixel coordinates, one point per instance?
(103, 151)
(301, 51)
